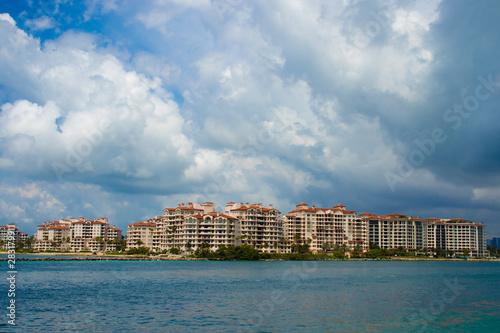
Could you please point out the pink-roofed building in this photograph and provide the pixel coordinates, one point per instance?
(325, 227)
(77, 234)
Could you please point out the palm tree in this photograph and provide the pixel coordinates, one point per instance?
(101, 242)
(54, 244)
(357, 250)
(344, 248)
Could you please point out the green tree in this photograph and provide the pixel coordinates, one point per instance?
(357, 251)
(344, 248)
(326, 246)
(175, 250)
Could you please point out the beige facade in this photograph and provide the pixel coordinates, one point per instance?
(89, 235)
(460, 236)
(142, 234)
(211, 229)
(325, 227)
(76, 234)
(397, 230)
(10, 230)
(259, 226)
(191, 225)
(53, 236)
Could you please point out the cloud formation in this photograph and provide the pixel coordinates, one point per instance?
(122, 109)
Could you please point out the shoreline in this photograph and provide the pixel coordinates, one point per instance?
(57, 256)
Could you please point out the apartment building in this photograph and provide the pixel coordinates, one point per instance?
(113, 234)
(171, 226)
(325, 227)
(259, 226)
(14, 231)
(191, 225)
(54, 235)
(89, 235)
(458, 235)
(212, 230)
(4, 231)
(395, 230)
(141, 234)
(76, 234)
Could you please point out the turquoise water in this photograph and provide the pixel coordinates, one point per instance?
(278, 296)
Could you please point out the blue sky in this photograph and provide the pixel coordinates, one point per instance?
(122, 108)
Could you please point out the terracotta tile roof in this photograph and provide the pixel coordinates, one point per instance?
(60, 227)
(143, 224)
(314, 210)
(367, 214)
(215, 214)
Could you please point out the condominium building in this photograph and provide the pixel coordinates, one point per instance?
(190, 225)
(193, 225)
(113, 236)
(325, 227)
(4, 231)
(89, 234)
(397, 230)
(209, 230)
(77, 234)
(22, 236)
(141, 234)
(457, 235)
(259, 226)
(171, 225)
(10, 230)
(53, 235)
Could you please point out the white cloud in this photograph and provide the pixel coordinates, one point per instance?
(95, 111)
(273, 100)
(41, 23)
(6, 17)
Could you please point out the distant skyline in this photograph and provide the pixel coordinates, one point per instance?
(119, 109)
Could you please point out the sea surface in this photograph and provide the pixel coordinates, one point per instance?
(264, 296)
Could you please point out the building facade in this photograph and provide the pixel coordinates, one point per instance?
(259, 226)
(190, 226)
(77, 234)
(395, 230)
(141, 234)
(457, 235)
(323, 228)
(412, 233)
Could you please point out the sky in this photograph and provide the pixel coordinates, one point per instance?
(120, 109)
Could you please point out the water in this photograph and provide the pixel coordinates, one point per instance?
(279, 296)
